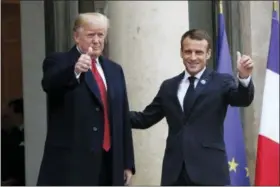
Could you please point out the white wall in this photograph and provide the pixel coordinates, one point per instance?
(33, 53)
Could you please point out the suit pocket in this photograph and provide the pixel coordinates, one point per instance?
(216, 146)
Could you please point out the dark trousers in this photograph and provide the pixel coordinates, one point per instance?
(184, 179)
(105, 178)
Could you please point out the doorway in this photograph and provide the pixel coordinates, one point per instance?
(12, 131)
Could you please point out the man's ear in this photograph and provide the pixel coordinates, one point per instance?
(181, 53)
(208, 55)
(76, 37)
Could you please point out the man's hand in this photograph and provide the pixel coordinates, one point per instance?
(84, 62)
(127, 177)
(244, 65)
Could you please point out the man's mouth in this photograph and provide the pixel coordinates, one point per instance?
(192, 64)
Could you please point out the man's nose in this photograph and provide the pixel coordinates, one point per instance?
(193, 56)
(95, 39)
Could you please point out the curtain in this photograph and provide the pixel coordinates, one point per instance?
(59, 19)
(65, 13)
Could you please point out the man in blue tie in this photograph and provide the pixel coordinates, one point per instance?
(194, 104)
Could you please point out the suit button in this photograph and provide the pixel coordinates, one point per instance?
(94, 129)
(97, 109)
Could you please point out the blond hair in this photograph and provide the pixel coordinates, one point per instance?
(94, 18)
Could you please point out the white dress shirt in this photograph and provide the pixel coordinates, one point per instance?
(184, 85)
(99, 69)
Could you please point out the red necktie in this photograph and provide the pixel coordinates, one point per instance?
(103, 93)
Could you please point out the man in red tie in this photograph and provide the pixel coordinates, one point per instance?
(89, 139)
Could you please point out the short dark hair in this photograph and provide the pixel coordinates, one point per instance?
(16, 105)
(197, 34)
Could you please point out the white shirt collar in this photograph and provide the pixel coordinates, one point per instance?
(198, 75)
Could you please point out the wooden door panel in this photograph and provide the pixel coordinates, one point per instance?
(11, 65)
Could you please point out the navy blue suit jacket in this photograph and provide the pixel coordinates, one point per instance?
(73, 147)
(197, 138)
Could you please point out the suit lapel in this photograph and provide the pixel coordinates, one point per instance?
(174, 89)
(92, 85)
(109, 76)
(201, 85)
(88, 76)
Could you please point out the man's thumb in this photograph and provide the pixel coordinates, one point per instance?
(90, 51)
(238, 56)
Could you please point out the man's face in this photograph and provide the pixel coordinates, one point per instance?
(195, 54)
(91, 36)
(11, 118)
(5, 118)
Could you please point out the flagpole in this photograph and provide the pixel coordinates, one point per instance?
(220, 7)
(274, 5)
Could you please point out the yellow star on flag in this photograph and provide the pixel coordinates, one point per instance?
(232, 165)
(247, 171)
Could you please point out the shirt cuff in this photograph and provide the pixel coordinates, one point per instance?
(245, 82)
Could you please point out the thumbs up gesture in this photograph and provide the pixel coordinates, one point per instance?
(244, 65)
(84, 62)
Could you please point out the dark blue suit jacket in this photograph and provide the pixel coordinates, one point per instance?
(196, 138)
(73, 147)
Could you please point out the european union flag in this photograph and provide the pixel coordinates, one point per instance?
(233, 133)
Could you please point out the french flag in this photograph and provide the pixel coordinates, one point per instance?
(267, 163)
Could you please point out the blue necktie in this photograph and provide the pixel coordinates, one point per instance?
(189, 95)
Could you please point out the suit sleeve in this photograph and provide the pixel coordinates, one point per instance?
(128, 141)
(152, 114)
(58, 74)
(237, 94)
